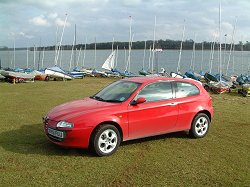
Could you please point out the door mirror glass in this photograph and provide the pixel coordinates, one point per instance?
(138, 101)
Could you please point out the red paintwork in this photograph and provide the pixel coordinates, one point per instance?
(146, 119)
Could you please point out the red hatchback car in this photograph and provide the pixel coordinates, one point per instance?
(129, 109)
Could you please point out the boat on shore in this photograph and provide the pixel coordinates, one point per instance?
(77, 73)
(57, 73)
(219, 87)
(17, 77)
(39, 75)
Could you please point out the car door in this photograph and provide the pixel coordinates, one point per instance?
(187, 97)
(157, 115)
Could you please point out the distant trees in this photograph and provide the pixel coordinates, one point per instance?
(163, 44)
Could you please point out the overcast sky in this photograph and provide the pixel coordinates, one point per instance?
(32, 21)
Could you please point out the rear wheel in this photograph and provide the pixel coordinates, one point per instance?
(207, 88)
(244, 93)
(105, 140)
(200, 126)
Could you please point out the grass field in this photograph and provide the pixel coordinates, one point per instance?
(27, 158)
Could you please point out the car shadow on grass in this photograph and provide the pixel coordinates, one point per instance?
(175, 135)
(30, 139)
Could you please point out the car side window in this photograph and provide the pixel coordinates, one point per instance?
(156, 91)
(184, 89)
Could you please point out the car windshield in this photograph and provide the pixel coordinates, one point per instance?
(116, 92)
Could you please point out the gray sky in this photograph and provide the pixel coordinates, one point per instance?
(29, 21)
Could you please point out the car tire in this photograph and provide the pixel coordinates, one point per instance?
(200, 126)
(207, 88)
(105, 140)
(244, 93)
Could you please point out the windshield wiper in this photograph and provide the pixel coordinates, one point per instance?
(113, 101)
(108, 100)
(97, 98)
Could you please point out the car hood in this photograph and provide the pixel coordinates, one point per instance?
(73, 109)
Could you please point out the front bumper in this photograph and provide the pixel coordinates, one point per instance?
(75, 137)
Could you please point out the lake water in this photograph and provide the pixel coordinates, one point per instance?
(168, 59)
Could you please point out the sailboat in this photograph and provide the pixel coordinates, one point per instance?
(109, 62)
(127, 72)
(57, 73)
(191, 74)
(95, 72)
(220, 86)
(143, 71)
(109, 65)
(178, 73)
(16, 77)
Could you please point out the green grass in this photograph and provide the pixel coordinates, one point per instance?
(27, 158)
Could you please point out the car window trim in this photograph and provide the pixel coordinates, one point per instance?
(172, 86)
(175, 89)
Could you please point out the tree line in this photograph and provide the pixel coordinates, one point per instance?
(163, 44)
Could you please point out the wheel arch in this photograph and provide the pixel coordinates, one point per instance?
(204, 112)
(109, 123)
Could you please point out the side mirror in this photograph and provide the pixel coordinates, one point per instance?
(138, 101)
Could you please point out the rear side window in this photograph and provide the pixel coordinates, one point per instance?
(156, 91)
(184, 89)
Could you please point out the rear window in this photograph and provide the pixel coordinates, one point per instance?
(184, 89)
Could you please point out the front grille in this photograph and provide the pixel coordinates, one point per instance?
(53, 138)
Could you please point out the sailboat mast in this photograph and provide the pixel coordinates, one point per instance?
(34, 57)
(231, 46)
(202, 55)
(193, 55)
(220, 38)
(78, 58)
(179, 60)
(60, 44)
(27, 56)
(116, 57)
(125, 57)
(43, 56)
(212, 54)
(72, 50)
(84, 52)
(153, 49)
(144, 54)
(149, 59)
(95, 54)
(56, 47)
(14, 53)
(74, 46)
(233, 57)
(241, 55)
(129, 45)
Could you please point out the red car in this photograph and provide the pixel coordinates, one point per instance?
(129, 109)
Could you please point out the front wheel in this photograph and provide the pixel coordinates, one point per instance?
(200, 126)
(105, 140)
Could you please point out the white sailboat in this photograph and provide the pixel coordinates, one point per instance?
(109, 62)
(220, 86)
(178, 70)
(57, 73)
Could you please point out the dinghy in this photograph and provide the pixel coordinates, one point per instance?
(16, 77)
(57, 73)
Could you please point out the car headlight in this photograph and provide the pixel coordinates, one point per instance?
(64, 124)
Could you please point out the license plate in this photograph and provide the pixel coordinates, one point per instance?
(56, 133)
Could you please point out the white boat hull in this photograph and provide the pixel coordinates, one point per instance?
(55, 74)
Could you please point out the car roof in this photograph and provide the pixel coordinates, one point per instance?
(150, 79)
